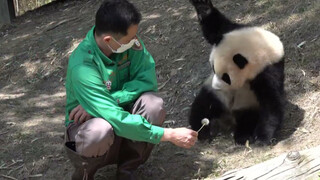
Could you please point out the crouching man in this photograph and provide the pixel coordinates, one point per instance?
(113, 113)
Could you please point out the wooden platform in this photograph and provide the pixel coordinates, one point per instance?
(303, 165)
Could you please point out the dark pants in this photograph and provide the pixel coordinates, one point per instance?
(93, 144)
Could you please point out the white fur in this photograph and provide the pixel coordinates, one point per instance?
(234, 99)
(260, 47)
(218, 83)
(242, 98)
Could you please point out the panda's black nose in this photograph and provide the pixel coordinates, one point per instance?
(226, 78)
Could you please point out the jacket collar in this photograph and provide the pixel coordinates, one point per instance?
(93, 43)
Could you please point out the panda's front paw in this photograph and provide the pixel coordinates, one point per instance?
(241, 136)
(265, 141)
(241, 139)
(264, 136)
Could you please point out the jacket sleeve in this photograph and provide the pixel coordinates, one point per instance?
(142, 77)
(97, 101)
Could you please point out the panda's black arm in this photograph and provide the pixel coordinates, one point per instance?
(205, 105)
(213, 23)
(269, 89)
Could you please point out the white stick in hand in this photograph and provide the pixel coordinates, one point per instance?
(204, 122)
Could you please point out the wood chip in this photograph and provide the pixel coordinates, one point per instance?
(162, 169)
(4, 133)
(35, 176)
(301, 44)
(180, 59)
(35, 140)
(162, 85)
(8, 177)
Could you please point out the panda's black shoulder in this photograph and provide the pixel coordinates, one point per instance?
(206, 91)
(272, 76)
(207, 94)
(274, 72)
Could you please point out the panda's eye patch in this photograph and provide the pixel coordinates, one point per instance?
(226, 78)
(240, 61)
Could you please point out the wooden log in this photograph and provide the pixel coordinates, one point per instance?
(7, 12)
(304, 165)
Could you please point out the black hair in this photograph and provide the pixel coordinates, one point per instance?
(116, 16)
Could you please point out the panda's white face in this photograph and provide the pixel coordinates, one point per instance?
(242, 55)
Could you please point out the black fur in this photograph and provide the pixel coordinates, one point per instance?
(206, 105)
(251, 124)
(226, 78)
(269, 90)
(240, 61)
(213, 23)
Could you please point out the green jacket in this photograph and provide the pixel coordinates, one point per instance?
(103, 86)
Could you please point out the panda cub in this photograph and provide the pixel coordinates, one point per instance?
(245, 92)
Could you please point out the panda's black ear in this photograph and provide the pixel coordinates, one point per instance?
(240, 61)
(213, 23)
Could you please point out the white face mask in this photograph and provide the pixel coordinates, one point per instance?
(123, 47)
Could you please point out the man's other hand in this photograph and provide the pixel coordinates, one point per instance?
(79, 115)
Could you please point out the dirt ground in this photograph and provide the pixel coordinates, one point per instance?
(34, 52)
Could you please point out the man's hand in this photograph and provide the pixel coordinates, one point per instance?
(182, 137)
(79, 115)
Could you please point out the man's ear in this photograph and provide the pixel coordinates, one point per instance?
(107, 38)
